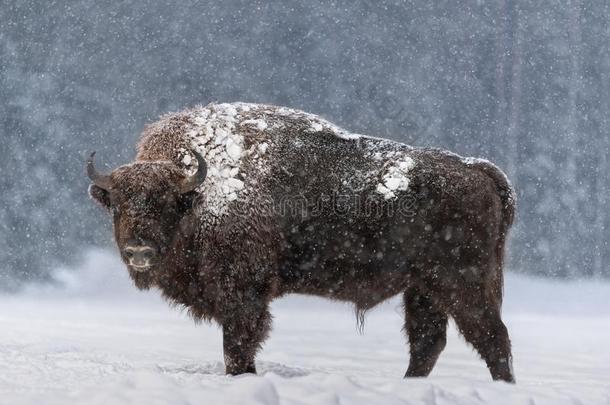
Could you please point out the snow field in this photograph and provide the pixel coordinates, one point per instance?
(94, 339)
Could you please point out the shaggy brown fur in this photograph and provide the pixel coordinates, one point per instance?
(439, 242)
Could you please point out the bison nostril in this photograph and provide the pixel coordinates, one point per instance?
(148, 254)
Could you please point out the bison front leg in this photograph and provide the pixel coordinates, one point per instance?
(244, 328)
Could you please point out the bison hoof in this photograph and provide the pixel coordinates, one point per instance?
(241, 370)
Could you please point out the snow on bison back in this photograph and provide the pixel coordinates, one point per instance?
(230, 206)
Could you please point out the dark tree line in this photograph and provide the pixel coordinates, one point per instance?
(524, 83)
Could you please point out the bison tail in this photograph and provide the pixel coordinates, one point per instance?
(505, 191)
(507, 196)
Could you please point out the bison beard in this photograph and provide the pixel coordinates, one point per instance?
(230, 206)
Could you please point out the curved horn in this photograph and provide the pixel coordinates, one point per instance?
(100, 180)
(194, 181)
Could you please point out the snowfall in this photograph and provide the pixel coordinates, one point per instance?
(92, 338)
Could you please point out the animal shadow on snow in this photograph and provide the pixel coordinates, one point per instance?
(218, 368)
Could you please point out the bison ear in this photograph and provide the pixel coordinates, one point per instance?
(100, 195)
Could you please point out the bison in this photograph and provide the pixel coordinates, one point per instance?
(229, 206)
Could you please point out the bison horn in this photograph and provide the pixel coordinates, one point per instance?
(194, 181)
(100, 180)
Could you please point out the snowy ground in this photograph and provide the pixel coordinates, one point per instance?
(97, 341)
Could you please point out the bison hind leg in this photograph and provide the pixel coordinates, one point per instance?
(477, 317)
(426, 328)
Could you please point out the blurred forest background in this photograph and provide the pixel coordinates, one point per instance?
(523, 83)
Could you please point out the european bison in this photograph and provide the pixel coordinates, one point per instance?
(230, 206)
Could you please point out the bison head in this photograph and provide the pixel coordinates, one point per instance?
(147, 200)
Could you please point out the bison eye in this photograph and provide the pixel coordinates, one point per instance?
(166, 201)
